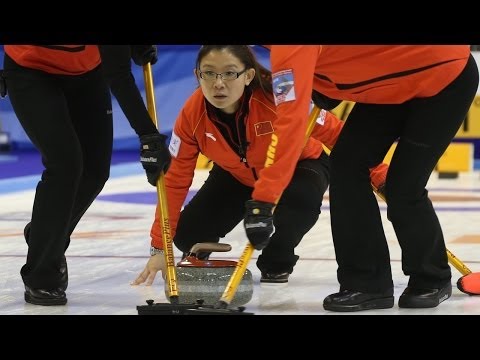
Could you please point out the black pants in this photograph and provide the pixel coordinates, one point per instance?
(424, 128)
(220, 205)
(69, 120)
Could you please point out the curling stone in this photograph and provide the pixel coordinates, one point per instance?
(207, 279)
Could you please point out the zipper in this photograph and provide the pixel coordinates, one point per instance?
(254, 174)
(243, 155)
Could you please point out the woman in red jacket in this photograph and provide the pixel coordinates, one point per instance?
(231, 119)
(418, 95)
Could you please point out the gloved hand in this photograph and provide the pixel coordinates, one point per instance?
(154, 156)
(144, 54)
(258, 223)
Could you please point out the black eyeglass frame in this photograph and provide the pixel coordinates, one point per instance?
(222, 75)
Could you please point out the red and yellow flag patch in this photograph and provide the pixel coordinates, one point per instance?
(263, 128)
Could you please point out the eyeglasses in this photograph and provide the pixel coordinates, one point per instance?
(225, 76)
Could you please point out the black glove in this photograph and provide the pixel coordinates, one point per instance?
(154, 156)
(258, 223)
(144, 54)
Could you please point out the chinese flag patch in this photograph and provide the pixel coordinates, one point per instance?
(263, 128)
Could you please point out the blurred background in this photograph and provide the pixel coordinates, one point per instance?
(174, 82)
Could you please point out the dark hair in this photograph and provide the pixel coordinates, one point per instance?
(263, 76)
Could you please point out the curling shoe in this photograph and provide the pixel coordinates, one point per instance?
(274, 278)
(45, 297)
(414, 298)
(348, 300)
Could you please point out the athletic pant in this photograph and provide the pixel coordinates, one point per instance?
(69, 120)
(220, 205)
(424, 128)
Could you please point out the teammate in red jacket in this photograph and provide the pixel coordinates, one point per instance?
(418, 95)
(61, 97)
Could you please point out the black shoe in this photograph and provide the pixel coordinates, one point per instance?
(45, 297)
(275, 278)
(424, 298)
(347, 300)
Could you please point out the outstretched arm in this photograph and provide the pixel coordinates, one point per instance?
(117, 68)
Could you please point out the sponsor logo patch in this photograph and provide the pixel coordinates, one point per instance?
(174, 146)
(257, 225)
(263, 128)
(148, 160)
(283, 86)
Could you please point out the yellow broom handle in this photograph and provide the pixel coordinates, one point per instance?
(241, 267)
(161, 195)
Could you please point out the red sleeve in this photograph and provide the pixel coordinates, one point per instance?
(378, 175)
(179, 177)
(327, 129)
(293, 68)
